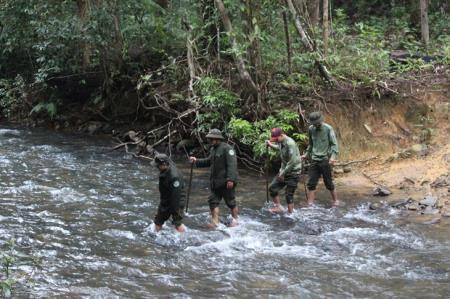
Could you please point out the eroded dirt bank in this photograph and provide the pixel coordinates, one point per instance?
(406, 145)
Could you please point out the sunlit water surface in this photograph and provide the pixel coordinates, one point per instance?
(88, 214)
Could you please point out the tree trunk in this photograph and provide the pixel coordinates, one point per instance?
(83, 13)
(414, 9)
(244, 74)
(288, 42)
(424, 22)
(314, 12)
(308, 44)
(325, 28)
(190, 59)
(251, 21)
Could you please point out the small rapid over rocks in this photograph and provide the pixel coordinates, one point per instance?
(87, 213)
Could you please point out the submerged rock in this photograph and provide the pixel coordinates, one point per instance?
(402, 204)
(381, 191)
(430, 211)
(375, 206)
(414, 206)
(433, 221)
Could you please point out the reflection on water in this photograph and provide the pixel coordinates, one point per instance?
(88, 213)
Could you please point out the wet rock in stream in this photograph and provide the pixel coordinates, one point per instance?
(375, 206)
(430, 205)
(433, 221)
(428, 201)
(381, 191)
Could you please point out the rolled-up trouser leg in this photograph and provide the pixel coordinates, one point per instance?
(162, 216)
(229, 197)
(217, 194)
(327, 175)
(177, 217)
(275, 187)
(313, 175)
(291, 185)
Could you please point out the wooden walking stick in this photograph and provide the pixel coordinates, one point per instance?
(190, 179)
(189, 186)
(302, 170)
(267, 173)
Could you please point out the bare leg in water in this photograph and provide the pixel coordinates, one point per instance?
(311, 197)
(234, 215)
(335, 201)
(290, 208)
(277, 206)
(214, 217)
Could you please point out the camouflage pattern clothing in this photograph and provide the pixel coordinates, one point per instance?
(291, 165)
(322, 147)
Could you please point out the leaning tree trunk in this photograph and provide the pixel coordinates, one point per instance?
(308, 44)
(244, 74)
(424, 22)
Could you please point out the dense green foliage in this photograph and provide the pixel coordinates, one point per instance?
(112, 56)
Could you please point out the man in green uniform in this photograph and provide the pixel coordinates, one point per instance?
(322, 151)
(172, 195)
(289, 173)
(224, 175)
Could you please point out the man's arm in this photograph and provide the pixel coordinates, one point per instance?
(274, 145)
(232, 174)
(206, 162)
(310, 144)
(176, 199)
(333, 144)
(293, 160)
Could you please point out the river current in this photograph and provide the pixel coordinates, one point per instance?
(87, 214)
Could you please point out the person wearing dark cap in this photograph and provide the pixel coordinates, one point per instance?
(322, 152)
(224, 175)
(289, 173)
(172, 195)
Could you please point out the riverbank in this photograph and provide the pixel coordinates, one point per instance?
(408, 141)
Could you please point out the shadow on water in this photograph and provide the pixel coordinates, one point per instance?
(88, 213)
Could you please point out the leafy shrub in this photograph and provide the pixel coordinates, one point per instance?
(220, 104)
(255, 134)
(12, 96)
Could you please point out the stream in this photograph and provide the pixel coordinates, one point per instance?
(87, 213)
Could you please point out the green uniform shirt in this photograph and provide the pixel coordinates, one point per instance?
(322, 143)
(291, 162)
(223, 162)
(171, 189)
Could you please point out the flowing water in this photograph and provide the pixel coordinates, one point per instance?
(87, 213)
